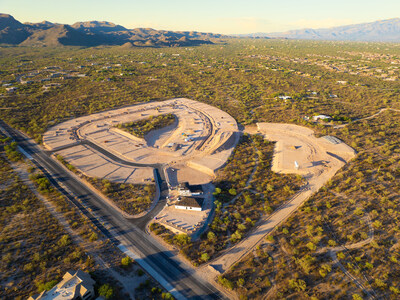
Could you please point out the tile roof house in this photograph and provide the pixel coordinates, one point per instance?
(75, 285)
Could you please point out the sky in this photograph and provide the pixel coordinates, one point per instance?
(218, 16)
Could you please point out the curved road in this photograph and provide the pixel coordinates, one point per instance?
(158, 262)
(140, 222)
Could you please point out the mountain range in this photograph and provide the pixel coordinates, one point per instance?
(379, 31)
(95, 33)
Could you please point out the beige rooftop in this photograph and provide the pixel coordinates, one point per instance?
(75, 285)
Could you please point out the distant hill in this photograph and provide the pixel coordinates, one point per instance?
(60, 35)
(98, 26)
(12, 31)
(95, 33)
(41, 25)
(379, 31)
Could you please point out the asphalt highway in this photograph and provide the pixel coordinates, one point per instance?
(157, 260)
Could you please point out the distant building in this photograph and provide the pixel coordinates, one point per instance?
(55, 75)
(11, 89)
(190, 203)
(189, 190)
(26, 82)
(321, 117)
(75, 285)
(284, 97)
(50, 85)
(52, 68)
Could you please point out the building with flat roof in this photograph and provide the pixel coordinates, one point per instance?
(185, 189)
(190, 203)
(321, 117)
(75, 285)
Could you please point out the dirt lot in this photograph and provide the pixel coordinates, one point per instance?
(318, 160)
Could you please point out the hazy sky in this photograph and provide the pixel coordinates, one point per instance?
(219, 16)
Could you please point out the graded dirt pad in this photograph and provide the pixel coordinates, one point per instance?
(318, 160)
(200, 141)
(182, 173)
(93, 164)
(298, 144)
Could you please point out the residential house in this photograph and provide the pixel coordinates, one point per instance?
(75, 285)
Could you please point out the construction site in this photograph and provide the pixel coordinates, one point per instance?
(198, 143)
(195, 146)
(190, 151)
